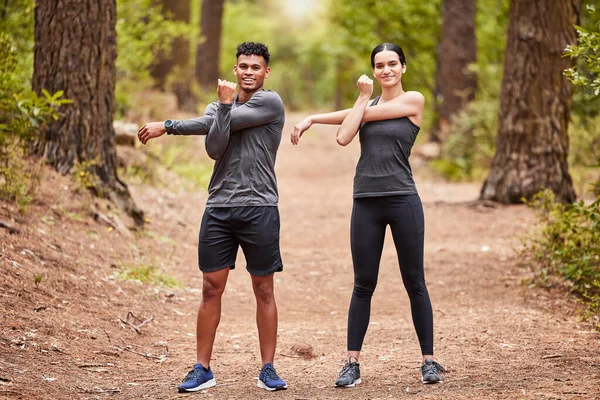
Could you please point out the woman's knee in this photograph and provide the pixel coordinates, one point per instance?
(364, 289)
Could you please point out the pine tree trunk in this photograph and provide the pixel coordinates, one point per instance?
(173, 70)
(207, 57)
(458, 50)
(535, 104)
(75, 51)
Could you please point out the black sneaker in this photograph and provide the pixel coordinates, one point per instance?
(432, 372)
(349, 375)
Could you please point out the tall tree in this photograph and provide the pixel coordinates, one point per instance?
(458, 49)
(207, 57)
(535, 104)
(75, 51)
(173, 70)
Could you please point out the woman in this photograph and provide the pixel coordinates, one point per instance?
(384, 194)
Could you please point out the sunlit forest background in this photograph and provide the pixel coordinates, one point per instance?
(170, 53)
(318, 48)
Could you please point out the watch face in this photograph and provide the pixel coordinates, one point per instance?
(168, 123)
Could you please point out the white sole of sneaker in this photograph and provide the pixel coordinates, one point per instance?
(356, 382)
(205, 385)
(431, 383)
(262, 385)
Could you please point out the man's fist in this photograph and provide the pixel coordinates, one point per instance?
(151, 130)
(226, 91)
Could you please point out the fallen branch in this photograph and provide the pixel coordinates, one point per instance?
(100, 390)
(10, 229)
(129, 349)
(90, 365)
(551, 356)
(136, 328)
(289, 355)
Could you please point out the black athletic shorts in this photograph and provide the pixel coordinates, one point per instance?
(254, 228)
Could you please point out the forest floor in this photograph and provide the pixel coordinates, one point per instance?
(62, 304)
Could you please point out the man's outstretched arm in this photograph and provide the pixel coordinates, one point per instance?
(194, 126)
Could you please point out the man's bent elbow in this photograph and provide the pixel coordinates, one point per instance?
(215, 155)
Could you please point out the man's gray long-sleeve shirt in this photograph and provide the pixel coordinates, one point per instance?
(243, 138)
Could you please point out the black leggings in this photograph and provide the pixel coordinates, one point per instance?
(370, 216)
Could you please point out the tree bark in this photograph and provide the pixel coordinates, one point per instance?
(75, 51)
(208, 55)
(535, 104)
(458, 50)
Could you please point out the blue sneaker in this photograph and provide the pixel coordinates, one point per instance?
(269, 380)
(197, 379)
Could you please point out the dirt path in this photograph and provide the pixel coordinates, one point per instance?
(498, 340)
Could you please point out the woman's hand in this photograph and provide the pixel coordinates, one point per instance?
(365, 86)
(299, 129)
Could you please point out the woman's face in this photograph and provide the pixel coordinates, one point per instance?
(388, 69)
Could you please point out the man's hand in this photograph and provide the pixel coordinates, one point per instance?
(299, 129)
(151, 130)
(365, 86)
(226, 91)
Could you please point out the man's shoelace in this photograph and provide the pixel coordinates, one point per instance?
(193, 374)
(271, 373)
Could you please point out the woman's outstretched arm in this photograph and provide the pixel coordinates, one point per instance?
(410, 104)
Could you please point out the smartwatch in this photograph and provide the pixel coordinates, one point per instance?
(169, 126)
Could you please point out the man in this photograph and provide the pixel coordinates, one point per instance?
(243, 133)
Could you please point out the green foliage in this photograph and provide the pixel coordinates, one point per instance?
(22, 114)
(19, 178)
(157, 163)
(85, 177)
(568, 246)
(303, 64)
(587, 51)
(584, 128)
(147, 274)
(16, 22)
(414, 25)
(470, 148)
(143, 31)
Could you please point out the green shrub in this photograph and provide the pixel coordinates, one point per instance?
(22, 114)
(468, 152)
(19, 177)
(568, 246)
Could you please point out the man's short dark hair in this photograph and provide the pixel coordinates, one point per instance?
(253, 49)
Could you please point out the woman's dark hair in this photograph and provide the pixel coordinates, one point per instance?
(253, 49)
(388, 46)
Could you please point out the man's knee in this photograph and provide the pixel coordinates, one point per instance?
(212, 289)
(263, 290)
